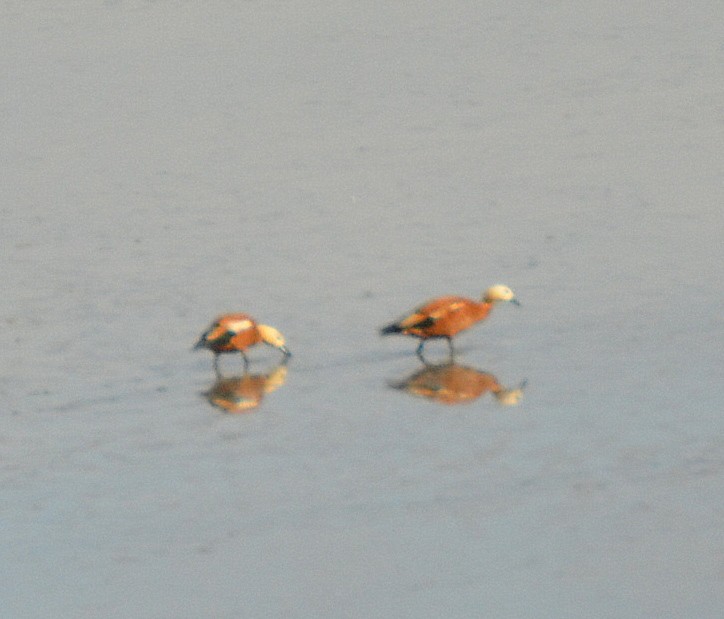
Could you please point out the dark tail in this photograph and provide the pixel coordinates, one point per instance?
(389, 329)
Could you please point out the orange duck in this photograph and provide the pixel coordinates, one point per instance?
(445, 317)
(237, 332)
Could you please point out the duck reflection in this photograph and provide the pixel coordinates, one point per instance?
(450, 383)
(242, 394)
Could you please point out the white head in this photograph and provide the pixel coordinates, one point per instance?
(499, 292)
(511, 397)
(276, 378)
(271, 336)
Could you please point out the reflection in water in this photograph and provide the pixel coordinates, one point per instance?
(450, 383)
(241, 394)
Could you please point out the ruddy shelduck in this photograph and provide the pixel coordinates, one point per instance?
(237, 332)
(445, 317)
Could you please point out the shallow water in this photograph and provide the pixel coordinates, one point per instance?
(327, 170)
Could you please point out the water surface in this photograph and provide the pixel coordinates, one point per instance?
(326, 169)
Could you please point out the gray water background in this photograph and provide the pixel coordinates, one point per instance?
(327, 167)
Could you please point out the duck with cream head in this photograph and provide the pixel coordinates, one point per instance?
(445, 317)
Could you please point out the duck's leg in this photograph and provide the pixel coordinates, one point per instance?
(246, 361)
(452, 348)
(216, 365)
(419, 350)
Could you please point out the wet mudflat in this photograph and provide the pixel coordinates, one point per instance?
(326, 170)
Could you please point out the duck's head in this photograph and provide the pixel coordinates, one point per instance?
(499, 292)
(271, 336)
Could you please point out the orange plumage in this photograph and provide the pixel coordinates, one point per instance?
(240, 394)
(450, 383)
(238, 332)
(445, 317)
